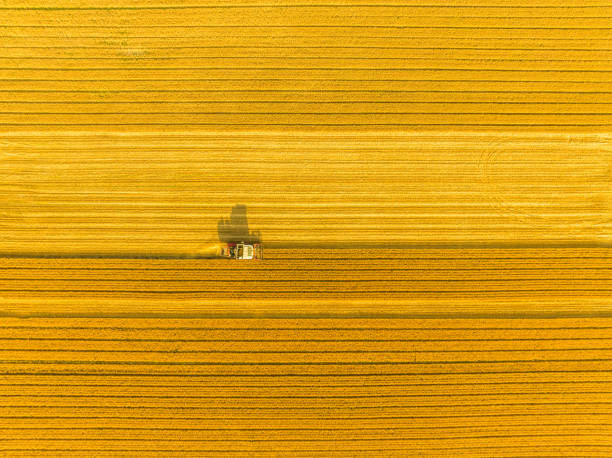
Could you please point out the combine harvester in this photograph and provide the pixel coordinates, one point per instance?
(231, 250)
(241, 250)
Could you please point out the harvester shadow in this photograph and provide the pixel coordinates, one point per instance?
(236, 228)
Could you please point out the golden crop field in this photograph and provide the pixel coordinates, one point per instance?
(432, 185)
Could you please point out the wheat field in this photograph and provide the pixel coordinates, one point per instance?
(431, 181)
